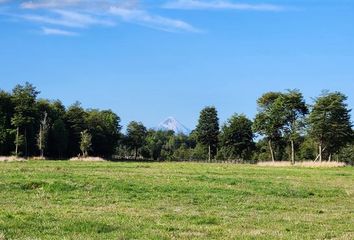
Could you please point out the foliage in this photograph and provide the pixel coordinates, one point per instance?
(293, 109)
(75, 121)
(136, 136)
(59, 134)
(307, 149)
(269, 119)
(236, 138)
(207, 130)
(23, 119)
(104, 128)
(347, 154)
(156, 144)
(6, 112)
(330, 124)
(85, 143)
(47, 128)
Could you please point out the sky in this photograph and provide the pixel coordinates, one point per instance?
(151, 59)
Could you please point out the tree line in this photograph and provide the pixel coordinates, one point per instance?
(284, 128)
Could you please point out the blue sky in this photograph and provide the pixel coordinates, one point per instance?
(147, 60)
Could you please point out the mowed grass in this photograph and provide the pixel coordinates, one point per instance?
(81, 200)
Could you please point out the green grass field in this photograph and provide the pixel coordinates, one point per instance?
(80, 200)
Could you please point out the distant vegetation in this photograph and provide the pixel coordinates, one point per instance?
(291, 130)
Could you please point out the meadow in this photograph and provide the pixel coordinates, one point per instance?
(105, 200)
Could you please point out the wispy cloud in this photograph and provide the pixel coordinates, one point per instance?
(67, 19)
(49, 4)
(154, 21)
(89, 13)
(219, 5)
(83, 14)
(54, 31)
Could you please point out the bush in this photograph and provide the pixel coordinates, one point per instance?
(200, 152)
(347, 154)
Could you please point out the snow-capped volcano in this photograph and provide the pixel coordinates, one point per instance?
(172, 124)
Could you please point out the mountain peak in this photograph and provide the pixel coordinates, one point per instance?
(171, 124)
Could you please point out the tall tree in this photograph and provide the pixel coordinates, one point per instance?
(208, 130)
(136, 136)
(6, 112)
(58, 133)
(269, 120)
(330, 124)
(294, 109)
(43, 134)
(59, 139)
(75, 120)
(24, 99)
(45, 117)
(236, 137)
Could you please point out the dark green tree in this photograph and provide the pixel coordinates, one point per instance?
(156, 142)
(330, 124)
(294, 109)
(269, 119)
(58, 133)
(136, 136)
(307, 149)
(24, 100)
(75, 121)
(207, 130)
(104, 128)
(59, 139)
(347, 154)
(236, 137)
(6, 113)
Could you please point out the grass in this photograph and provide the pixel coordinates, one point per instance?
(94, 200)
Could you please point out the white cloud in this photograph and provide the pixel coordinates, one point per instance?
(88, 13)
(82, 4)
(154, 21)
(67, 19)
(219, 5)
(54, 31)
(49, 4)
(83, 19)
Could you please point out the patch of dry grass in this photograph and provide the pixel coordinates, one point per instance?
(87, 159)
(11, 159)
(309, 164)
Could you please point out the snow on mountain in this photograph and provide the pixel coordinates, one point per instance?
(172, 124)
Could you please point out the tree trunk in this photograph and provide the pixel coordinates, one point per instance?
(320, 152)
(271, 150)
(292, 152)
(17, 137)
(136, 154)
(209, 153)
(319, 155)
(40, 140)
(330, 157)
